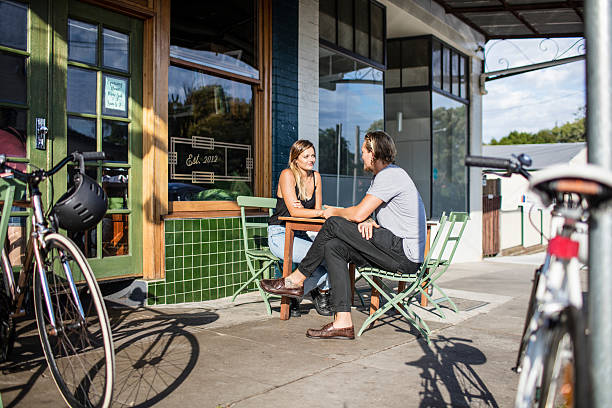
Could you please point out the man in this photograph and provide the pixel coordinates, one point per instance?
(394, 240)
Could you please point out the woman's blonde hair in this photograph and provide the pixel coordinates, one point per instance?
(296, 149)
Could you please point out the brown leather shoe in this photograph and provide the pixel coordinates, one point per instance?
(277, 287)
(330, 332)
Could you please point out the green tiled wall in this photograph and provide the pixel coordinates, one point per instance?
(204, 260)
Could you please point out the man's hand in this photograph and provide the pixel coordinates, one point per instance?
(329, 212)
(366, 228)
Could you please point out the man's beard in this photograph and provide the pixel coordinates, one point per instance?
(369, 169)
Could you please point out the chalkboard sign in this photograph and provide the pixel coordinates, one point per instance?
(203, 160)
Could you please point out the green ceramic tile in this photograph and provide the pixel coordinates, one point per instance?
(169, 238)
(178, 263)
(188, 273)
(179, 287)
(178, 237)
(197, 296)
(206, 294)
(178, 225)
(197, 284)
(214, 259)
(205, 270)
(180, 298)
(213, 282)
(189, 297)
(187, 262)
(170, 275)
(160, 290)
(169, 251)
(169, 289)
(197, 249)
(171, 299)
(188, 286)
(170, 264)
(169, 225)
(150, 301)
(187, 237)
(197, 272)
(197, 236)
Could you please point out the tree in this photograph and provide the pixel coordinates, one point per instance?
(570, 132)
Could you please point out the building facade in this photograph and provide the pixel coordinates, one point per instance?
(196, 103)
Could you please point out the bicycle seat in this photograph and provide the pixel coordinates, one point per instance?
(590, 181)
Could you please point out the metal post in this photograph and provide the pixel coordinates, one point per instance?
(339, 133)
(598, 33)
(355, 163)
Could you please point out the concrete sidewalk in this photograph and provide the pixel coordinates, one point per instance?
(219, 353)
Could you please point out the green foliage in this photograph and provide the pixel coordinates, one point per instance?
(570, 132)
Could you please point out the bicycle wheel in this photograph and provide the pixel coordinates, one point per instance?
(80, 351)
(565, 369)
(7, 324)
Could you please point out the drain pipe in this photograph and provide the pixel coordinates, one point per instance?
(598, 33)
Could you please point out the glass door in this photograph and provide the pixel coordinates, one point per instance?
(97, 106)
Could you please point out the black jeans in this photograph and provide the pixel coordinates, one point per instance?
(339, 242)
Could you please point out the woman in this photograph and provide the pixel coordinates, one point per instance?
(299, 195)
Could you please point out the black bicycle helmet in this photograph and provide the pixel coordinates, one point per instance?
(82, 206)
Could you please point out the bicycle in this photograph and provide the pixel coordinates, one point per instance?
(552, 357)
(72, 321)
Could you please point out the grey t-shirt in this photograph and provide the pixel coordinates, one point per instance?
(402, 211)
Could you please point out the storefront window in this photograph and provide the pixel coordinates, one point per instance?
(210, 128)
(351, 99)
(449, 134)
(220, 35)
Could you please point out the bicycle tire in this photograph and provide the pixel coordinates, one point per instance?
(7, 323)
(80, 356)
(565, 368)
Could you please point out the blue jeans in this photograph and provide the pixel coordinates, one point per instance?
(276, 241)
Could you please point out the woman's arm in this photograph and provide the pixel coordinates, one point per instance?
(287, 186)
(319, 191)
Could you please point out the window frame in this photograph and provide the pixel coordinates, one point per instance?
(262, 118)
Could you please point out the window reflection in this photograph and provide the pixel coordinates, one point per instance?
(350, 105)
(14, 24)
(82, 42)
(211, 137)
(449, 178)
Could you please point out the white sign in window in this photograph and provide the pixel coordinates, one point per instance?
(115, 96)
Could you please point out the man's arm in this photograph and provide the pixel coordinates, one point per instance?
(356, 213)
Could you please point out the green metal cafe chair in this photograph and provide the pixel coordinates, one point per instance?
(441, 260)
(258, 256)
(403, 300)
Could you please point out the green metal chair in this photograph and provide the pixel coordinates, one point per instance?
(259, 258)
(400, 301)
(441, 260)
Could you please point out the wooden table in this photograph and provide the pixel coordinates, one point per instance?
(293, 224)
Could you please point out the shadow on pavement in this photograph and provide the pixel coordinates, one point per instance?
(155, 351)
(448, 377)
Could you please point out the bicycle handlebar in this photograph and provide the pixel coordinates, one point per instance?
(41, 174)
(514, 165)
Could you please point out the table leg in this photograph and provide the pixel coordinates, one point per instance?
(352, 277)
(287, 266)
(374, 299)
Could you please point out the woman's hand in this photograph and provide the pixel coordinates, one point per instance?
(366, 228)
(297, 204)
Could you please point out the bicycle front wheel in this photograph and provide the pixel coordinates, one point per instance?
(565, 369)
(79, 349)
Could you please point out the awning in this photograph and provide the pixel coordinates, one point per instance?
(504, 19)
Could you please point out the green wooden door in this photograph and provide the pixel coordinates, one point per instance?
(97, 94)
(80, 70)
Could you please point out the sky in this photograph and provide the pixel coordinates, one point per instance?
(535, 100)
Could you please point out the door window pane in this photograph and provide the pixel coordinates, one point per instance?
(14, 25)
(81, 92)
(13, 78)
(449, 178)
(115, 184)
(221, 35)
(13, 134)
(345, 24)
(114, 96)
(327, 20)
(350, 104)
(210, 126)
(82, 42)
(115, 140)
(115, 233)
(115, 50)
(81, 134)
